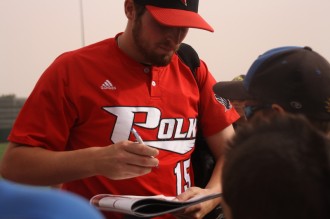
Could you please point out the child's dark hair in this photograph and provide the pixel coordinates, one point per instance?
(278, 167)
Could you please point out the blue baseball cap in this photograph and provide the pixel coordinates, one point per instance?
(296, 78)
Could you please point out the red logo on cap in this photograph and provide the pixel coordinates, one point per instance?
(184, 2)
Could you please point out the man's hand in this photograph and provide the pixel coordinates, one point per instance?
(125, 159)
(197, 211)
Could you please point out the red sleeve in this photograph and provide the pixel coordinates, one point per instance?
(215, 113)
(47, 115)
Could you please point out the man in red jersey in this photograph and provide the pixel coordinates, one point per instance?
(75, 128)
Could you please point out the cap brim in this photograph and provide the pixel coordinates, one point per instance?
(232, 90)
(178, 18)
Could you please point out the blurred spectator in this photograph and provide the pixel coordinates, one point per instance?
(19, 201)
(291, 79)
(277, 167)
(239, 105)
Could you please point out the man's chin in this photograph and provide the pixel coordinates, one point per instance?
(161, 59)
(165, 60)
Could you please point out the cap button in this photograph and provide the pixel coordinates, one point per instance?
(308, 48)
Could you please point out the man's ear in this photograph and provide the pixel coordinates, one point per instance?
(129, 9)
(277, 108)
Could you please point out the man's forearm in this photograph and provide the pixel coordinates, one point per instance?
(214, 183)
(38, 166)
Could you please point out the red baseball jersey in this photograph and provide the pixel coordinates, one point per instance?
(93, 96)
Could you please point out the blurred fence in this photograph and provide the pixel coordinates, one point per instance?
(10, 106)
(4, 134)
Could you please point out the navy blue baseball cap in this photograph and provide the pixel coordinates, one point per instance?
(296, 78)
(176, 13)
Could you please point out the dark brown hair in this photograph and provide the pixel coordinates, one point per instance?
(278, 167)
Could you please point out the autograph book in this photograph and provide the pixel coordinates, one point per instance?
(145, 206)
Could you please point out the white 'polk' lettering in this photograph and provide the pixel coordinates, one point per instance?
(171, 136)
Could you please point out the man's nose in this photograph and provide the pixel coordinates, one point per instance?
(176, 34)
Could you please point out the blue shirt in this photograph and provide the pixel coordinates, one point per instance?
(28, 202)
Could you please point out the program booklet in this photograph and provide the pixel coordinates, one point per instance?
(145, 206)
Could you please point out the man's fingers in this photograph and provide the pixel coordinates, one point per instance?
(142, 160)
(141, 149)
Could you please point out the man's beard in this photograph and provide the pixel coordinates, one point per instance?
(149, 55)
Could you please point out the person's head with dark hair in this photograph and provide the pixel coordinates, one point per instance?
(277, 167)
